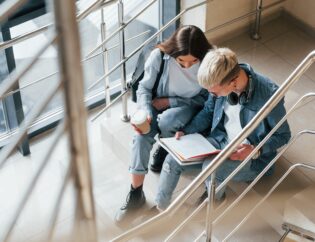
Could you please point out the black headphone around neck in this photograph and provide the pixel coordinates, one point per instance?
(244, 97)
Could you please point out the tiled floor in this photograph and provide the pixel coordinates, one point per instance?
(276, 55)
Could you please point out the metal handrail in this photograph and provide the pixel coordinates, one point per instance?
(122, 62)
(117, 45)
(146, 42)
(56, 72)
(274, 100)
(59, 132)
(186, 220)
(76, 114)
(243, 16)
(268, 194)
(94, 7)
(9, 7)
(11, 80)
(306, 96)
(109, 105)
(263, 199)
(125, 88)
(250, 186)
(72, 82)
(295, 106)
(80, 16)
(120, 28)
(9, 43)
(124, 92)
(200, 236)
(8, 149)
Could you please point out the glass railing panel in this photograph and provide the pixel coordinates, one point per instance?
(3, 74)
(43, 74)
(91, 37)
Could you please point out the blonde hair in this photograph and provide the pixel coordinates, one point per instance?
(218, 67)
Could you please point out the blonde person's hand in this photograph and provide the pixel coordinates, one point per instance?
(241, 152)
(179, 134)
(160, 103)
(138, 130)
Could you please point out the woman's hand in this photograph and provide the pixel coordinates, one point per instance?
(138, 130)
(160, 103)
(179, 134)
(241, 152)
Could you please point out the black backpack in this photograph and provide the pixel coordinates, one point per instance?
(139, 72)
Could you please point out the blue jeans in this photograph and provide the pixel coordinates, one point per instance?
(167, 122)
(171, 172)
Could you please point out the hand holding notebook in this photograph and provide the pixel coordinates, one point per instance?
(189, 148)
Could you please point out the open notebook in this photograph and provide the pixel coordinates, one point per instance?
(189, 149)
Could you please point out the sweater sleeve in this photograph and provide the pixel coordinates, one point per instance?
(203, 120)
(282, 135)
(144, 92)
(196, 101)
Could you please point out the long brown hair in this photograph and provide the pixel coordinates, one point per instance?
(187, 40)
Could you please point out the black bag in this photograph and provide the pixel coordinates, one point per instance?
(139, 72)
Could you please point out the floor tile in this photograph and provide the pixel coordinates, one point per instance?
(293, 46)
(279, 27)
(240, 44)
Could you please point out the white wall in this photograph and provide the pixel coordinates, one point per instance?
(221, 11)
(217, 12)
(302, 10)
(195, 16)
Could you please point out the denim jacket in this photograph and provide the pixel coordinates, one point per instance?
(211, 119)
(144, 92)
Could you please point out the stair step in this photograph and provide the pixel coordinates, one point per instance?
(299, 210)
(254, 229)
(265, 211)
(117, 135)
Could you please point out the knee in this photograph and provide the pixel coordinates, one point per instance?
(171, 166)
(164, 126)
(143, 140)
(206, 163)
(168, 126)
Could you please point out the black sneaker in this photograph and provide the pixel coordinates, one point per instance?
(218, 203)
(135, 200)
(158, 159)
(201, 199)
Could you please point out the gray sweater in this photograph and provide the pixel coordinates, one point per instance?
(144, 92)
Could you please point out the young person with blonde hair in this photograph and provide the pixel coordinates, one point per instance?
(237, 94)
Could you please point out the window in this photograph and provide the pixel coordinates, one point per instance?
(44, 74)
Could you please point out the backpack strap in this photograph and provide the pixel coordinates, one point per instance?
(158, 77)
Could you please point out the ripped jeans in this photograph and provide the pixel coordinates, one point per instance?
(171, 172)
(168, 122)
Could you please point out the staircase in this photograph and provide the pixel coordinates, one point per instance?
(299, 215)
(264, 225)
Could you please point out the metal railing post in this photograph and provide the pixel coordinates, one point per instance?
(105, 59)
(210, 207)
(256, 34)
(124, 117)
(69, 55)
(160, 24)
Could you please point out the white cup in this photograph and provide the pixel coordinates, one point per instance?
(140, 120)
